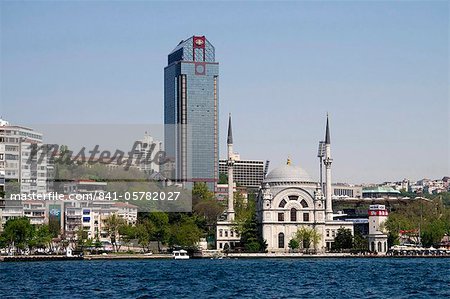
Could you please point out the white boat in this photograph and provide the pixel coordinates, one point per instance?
(180, 255)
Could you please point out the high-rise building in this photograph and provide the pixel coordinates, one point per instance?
(145, 154)
(33, 171)
(247, 173)
(191, 102)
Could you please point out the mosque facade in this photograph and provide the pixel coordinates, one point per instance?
(288, 200)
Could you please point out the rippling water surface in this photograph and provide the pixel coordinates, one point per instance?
(248, 278)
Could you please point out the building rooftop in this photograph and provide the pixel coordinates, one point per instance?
(288, 173)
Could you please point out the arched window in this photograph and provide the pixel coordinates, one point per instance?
(282, 203)
(293, 214)
(372, 246)
(385, 247)
(379, 246)
(293, 197)
(280, 240)
(304, 203)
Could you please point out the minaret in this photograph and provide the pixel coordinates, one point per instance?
(327, 161)
(230, 211)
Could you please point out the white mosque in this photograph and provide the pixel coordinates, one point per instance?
(288, 200)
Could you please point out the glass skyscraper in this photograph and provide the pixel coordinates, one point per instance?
(191, 105)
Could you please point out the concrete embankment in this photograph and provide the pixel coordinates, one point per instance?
(127, 256)
(36, 258)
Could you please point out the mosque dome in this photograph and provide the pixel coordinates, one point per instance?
(288, 173)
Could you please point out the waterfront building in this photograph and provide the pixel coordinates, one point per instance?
(10, 209)
(36, 211)
(126, 211)
(191, 103)
(377, 237)
(227, 236)
(90, 216)
(290, 199)
(247, 173)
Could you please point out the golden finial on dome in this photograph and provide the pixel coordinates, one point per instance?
(289, 162)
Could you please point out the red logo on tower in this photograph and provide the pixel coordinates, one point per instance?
(199, 42)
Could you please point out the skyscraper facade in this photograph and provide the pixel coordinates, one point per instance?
(191, 102)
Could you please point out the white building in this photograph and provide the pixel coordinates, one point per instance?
(91, 215)
(377, 237)
(290, 199)
(19, 164)
(145, 154)
(10, 209)
(36, 211)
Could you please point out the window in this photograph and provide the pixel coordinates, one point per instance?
(280, 216)
(304, 203)
(280, 240)
(282, 203)
(293, 197)
(293, 214)
(306, 217)
(220, 233)
(328, 232)
(379, 246)
(231, 233)
(333, 233)
(226, 233)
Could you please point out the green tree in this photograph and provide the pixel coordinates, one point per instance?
(160, 222)
(42, 237)
(343, 239)
(18, 233)
(294, 244)
(112, 226)
(206, 209)
(433, 232)
(307, 236)
(144, 232)
(185, 233)
(223, 178)
(54, 227)
(127, 233)
(251, 238)
(359, 242)
(431, 216)
(82, 238)
(97, 244)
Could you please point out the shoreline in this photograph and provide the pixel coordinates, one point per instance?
(39, 258)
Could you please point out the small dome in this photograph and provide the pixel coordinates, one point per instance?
(288, 173)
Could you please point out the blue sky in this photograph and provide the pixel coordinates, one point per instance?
(380, 69)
